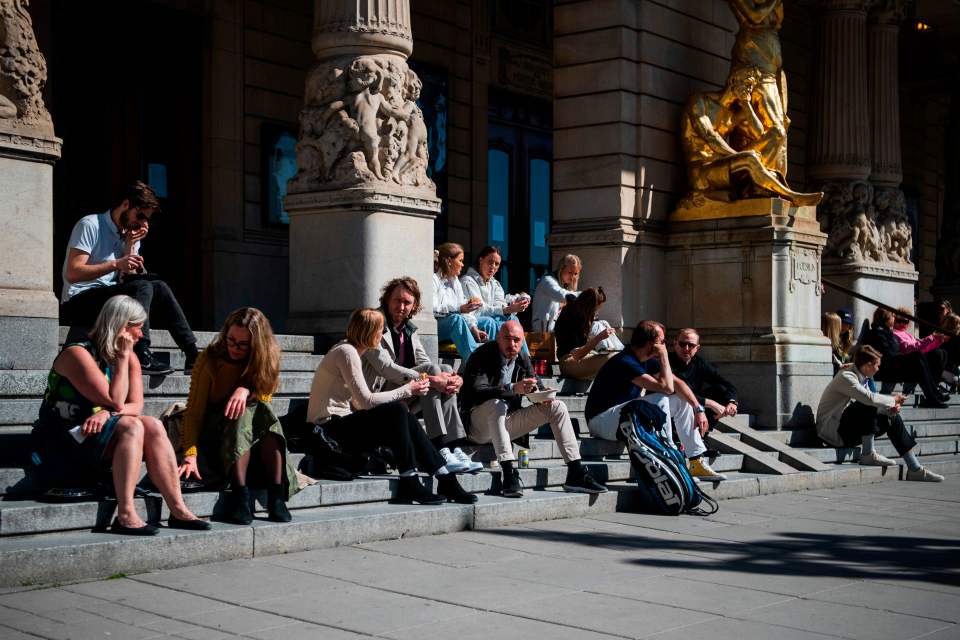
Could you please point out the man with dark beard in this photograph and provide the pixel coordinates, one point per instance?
(103, 260)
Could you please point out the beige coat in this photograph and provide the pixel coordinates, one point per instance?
(847, 386)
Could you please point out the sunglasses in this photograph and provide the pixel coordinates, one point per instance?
(901, 321)
(688, 345)
(239, 346)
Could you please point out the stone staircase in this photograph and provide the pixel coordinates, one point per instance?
(43, 542)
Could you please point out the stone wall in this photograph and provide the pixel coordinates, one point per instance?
(923, 127)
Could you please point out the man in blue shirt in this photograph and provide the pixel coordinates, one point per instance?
(103, 260)
(645, 366)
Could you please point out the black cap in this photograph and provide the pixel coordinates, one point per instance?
(845, 316)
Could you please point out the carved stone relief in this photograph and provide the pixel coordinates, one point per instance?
(361, 125)
(864, 224)
(23, 71)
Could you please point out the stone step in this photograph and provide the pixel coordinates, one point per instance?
(928, 447)
(160, 339)
(71, 556)
(27, 383)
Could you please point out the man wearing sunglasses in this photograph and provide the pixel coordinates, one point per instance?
(103, 260)
(713, 395)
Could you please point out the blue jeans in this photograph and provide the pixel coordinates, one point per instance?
(455, 328)
(492, 324)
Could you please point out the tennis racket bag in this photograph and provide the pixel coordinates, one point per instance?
(660, 468)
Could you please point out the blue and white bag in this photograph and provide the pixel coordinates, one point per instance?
(661, 469)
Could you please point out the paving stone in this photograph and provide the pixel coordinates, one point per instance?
(896, 599)
(454, 550)
(487, 625)
(497, 512)
(305, 630)
(844, 620)
(731, 629)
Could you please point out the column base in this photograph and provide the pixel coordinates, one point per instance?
(748, 280)
(891, 284)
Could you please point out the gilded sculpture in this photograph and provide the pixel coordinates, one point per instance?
(735, 140)
(23, 71)
(361, 125)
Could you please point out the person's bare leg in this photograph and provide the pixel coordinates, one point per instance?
(162, 467)
(766, 179)
(126, 457)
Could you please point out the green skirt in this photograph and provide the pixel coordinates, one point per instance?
(223, 441)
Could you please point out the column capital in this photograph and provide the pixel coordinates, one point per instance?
(888, 13)
(347, 26)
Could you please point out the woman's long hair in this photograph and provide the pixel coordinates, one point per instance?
(443, 253)
(830, 324)
(585, 307)
(262, 373)
(118, 313)
(568, 260)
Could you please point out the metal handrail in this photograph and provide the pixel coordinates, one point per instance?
(918, 321)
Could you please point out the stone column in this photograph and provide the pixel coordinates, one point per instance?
(361, 206)
(855, 151)
(28, 149)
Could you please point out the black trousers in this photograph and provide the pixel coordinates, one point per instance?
(387, 425)
(909, 367)
(859, 420)
(81, 310)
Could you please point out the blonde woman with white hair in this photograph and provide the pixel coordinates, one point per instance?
(91, 420)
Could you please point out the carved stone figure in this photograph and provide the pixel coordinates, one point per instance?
(361, 125)
(864, 225)
(895, 230)
(735, 141)
(23, 71)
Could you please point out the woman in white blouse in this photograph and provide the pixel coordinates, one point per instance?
(552, 291)
(360, 420)
(496, 308)
(452, 308)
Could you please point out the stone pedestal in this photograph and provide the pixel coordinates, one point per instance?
(28, 308)
(892, 284)
(747, 275)
(349, 243)
(361, 207)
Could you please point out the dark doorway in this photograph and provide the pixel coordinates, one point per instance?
(519, 161)
(125, 94)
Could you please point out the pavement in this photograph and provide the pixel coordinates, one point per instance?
(871, 561)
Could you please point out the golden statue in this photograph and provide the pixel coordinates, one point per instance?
(735, 140)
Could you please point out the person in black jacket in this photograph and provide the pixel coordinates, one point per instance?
(496, 377)
(713, 392)
(901, 367)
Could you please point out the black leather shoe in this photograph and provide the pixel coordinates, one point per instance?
(276, 508)
(190, 359)
(151, 366)
(188, 525)
(410, 490)
(512, 486)
(145, 530)
(449, 487)
(238, 506)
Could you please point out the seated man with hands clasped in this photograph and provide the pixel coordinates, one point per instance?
(712, 391)
(851, 413)
(496, 377)
(400, 358)
(644, 366)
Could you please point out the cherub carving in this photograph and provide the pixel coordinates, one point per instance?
(23, 71)
(415, 153)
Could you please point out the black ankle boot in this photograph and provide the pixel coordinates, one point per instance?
(276, 507)
(449, 486)
(238, 506)
(149, 364)
(410, 490)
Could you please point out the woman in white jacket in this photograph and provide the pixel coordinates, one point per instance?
(552, 291)
(452, 308)
(851, 413)
(496, 307)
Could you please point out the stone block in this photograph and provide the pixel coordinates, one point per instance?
(583, 16)
(890, 284)
(601, 139)
(27, 342)
(683, 58)
(332, 527)
(596, 77)
(603, 202)
(600, 45)
(609, 106)
(597, 171)
(81, 556)
(359, 490)
(548, 505)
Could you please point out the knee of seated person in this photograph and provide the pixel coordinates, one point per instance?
(499, 407)
(152, 426)
(130, 426)
(557, 407)
(435, 369)
(161, 287)
(396, 410)
(445, 368)
(141, 286)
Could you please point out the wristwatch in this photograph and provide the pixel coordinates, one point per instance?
(698, 409)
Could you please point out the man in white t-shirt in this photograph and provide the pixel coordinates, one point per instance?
(103, 261)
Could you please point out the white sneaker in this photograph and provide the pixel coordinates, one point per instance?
(472, 467)
(924, 475)
(452, 462)
(874, 459)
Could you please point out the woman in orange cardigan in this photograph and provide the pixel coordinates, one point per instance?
(229, 429)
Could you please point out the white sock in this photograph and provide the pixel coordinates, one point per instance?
(866, 445)
(442, 471)
(912, 463)
(407, 474)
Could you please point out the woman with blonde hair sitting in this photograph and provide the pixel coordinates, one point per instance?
(831, 325)
(91, 421)
(454, 312)
(359, 420)
(553, 291)
(229, 418)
